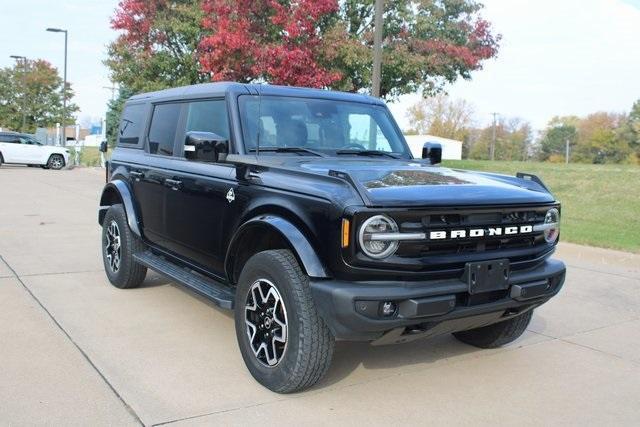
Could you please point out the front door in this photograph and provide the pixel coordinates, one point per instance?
(31, 151)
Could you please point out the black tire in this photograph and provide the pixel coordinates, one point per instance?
(56, 162)
(307, 353)
(126, 272)
(1, 159)
(498, 334)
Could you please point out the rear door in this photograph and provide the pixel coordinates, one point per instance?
(150, 178)
(197, 206)
(10, 148)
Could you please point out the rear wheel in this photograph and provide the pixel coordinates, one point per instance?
(56, 161)
(118, 246)
(1, 159)
(285, 344)
(498, 334)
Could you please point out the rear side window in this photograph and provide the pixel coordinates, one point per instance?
(162, 133)
(11, 139)
(131, 124)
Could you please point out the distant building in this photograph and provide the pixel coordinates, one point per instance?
(451, 148)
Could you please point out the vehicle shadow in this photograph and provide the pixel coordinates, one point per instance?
(350, 356)
(154, 279)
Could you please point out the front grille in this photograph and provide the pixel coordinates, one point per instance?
(450, 255)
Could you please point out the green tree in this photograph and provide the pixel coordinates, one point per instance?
(426, 44)
(158, 47)
(555, 137)
(630, 130)
(599, 140)
(441, 116)
(513, 140)
(33, 90)
(114, 111)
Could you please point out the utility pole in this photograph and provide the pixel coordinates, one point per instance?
(566, 152)
(24, 86)
(377, 48)
(492, 151)
(64, 85)
(112, 88)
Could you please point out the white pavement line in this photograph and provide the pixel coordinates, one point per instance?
(82, 352)
(593, 270)
(59, 272)
(599, 350)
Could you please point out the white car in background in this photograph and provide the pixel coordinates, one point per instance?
(20, 148)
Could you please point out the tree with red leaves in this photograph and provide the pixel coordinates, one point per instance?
(318, 43)
(265, 39)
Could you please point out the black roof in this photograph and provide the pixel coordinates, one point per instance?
(222, 88)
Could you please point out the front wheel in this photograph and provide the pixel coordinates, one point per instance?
(284, 342)
(118, 246)
(498, 334)
(56, 161)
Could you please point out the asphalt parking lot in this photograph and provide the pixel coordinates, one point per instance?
(76, 351)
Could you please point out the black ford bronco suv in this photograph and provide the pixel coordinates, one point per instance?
(304, 211)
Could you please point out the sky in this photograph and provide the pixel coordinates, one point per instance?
(557, 57)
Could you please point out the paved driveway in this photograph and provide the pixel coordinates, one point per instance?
(74, 350)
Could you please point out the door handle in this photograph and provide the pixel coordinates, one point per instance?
(173, 183)
(136, 174)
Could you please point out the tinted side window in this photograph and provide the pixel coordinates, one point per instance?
(11, 139)
(162, 133)
(208, 116)
(131, 124)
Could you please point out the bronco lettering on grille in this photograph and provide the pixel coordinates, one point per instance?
(480, 232)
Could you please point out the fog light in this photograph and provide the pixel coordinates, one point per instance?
(388, 308)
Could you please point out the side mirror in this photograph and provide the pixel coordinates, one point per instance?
(433, 152)
(206, 147)
(103, 146)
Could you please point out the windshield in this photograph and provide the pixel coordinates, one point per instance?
(324, 126)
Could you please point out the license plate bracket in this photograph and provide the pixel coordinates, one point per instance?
(487, 276)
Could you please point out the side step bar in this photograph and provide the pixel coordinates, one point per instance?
(220, 294)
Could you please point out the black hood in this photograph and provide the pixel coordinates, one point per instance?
(409, 183)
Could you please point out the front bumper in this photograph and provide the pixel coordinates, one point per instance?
(429, 308)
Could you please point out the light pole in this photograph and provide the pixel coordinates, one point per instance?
(24, 88)
(64, 85)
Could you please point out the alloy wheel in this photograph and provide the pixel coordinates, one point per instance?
(266, 321)
(56, 162)
(112, 246)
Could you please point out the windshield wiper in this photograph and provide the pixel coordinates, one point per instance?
(367, 153)
(289, 150)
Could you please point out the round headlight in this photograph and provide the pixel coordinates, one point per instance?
(369, 235)
(551, 232)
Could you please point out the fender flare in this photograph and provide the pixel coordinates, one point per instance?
(297, 241)
(124, 192)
